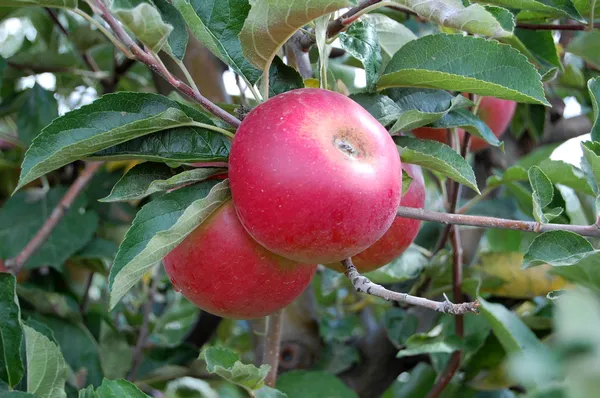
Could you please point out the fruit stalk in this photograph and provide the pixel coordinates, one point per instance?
(272, 345)
(362, 284)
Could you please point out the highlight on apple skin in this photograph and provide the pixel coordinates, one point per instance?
(314, 177)
(222, 270)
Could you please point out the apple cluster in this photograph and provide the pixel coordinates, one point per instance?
(315, 179)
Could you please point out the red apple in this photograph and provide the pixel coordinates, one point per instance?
(400, 235)
(314, 177)
(496, 113)
(221, 269)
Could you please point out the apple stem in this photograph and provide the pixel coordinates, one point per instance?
(493, 222)
(15, 264)
(272, 345)
(362, 284)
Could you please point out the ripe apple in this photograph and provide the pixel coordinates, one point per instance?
(496, 113)
(221, 269)
(400, 235)
(314, 177)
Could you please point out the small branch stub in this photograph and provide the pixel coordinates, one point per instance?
(362, 284)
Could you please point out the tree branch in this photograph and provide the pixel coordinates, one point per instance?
(454, 362)
(533, 26)
(156, 66)
(363, 285)
(492, 222)
(337, 25)
(85, 299)
(15, 264)
(272, 345)
(87, 59)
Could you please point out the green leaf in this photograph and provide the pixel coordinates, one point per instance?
(115, 353)
(418, 107)
(337, 357)
(512, 333)
(543, 193)
(11, 332)
(77, 345)
(503, 16)
(16, 394)
(408, 266)
(108, 121)
(146, 24)
(557, 171)
(539, 46)
(268, 392)
(217, 25)
(179, 145)
(304, 383)
(42, 3)
(587, 46)
(406, 181)
(38, 110)
(87, 392)
(227, 364)
(552, 7)
(453, 14)
(400, 325)
(425, 344)
(392, 34)
(486, 68)
(590, 163)
(585, 272)
(361, 41)
(46, 367)
(160, 226)
(271, 23)
(25, 213)
(594, 89)
(119, 389)
(175, 324)
(381, 107)
(464, 118)
(49, 302)
(178, 38)
(96, 255)
(147, 178)
(557, 248)
(437, 156)
(283, 78)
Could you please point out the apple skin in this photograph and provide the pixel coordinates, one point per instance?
(314, 177)
(496, 113)
(222, 270)
(400, 235)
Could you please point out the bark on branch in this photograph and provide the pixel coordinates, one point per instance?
(16, 264)
(156, 66)
(493, 222)
(362, 284)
